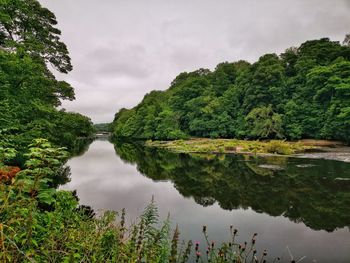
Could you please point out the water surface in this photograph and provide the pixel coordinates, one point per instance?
(299, 203)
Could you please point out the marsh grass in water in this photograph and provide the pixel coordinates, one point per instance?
(231, 146)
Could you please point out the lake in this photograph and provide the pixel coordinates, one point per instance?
(299, 205)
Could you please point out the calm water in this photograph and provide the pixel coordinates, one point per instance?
(299, 203)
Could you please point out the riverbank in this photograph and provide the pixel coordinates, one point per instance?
(203, 145)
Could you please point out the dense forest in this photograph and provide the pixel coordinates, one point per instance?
(301, 93)
(30, 49)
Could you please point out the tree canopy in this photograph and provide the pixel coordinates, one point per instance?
(301, 93)
(26, 25)
(29, 92)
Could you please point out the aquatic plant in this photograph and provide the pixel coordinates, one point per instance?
(230, 146)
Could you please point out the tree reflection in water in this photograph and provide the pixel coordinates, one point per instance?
(303, 190)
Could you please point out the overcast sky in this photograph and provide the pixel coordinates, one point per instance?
(122, 49)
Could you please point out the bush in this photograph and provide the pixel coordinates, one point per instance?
(279, 147)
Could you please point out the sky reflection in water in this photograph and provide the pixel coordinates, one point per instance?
(105, 181)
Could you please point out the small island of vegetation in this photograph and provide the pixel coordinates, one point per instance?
(231, 146)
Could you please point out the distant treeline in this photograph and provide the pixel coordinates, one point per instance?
(102, 127)
(302, 93)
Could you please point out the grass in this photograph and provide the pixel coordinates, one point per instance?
(231, 146)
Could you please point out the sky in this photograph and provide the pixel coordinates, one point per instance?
(123, 49)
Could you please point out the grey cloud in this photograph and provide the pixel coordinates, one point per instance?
(124, 49)
(124, 69)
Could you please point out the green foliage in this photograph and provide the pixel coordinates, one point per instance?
(102, 127)
(264, 123)
(229, 146)
(281, 147)
(303, 93)
(6, 154)
(29, 92)
(26, 25)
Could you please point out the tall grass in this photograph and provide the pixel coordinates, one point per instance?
(230, 146)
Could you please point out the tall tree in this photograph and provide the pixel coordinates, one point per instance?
(29, 92)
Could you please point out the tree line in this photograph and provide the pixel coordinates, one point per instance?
(301, 93)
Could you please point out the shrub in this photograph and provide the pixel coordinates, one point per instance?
(279, 147)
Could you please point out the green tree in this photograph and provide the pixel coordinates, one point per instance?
(26, 25)
(168, 127)
(29, 92)
(264, 123)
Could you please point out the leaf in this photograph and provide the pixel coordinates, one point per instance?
(47, 196)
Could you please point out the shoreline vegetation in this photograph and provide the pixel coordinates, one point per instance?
(234, 146)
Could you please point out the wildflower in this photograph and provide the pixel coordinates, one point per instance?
(198, 254)
(204, 229)
(197, 245)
